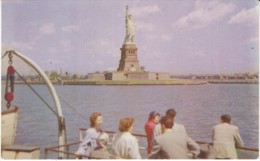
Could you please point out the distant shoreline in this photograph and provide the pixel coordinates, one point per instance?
(234, 82)
(142, 82)
(135, 82)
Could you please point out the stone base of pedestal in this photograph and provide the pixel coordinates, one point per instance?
(137, 76)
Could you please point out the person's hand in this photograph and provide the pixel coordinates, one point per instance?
(77, 153)
(193, 156)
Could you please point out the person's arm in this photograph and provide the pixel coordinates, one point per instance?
(87, 138)
(156, 148)
(149, 135)
(238, 140)
(193, 147)
(82, 147)
(134, 152)
(213, 135)
(157, 130)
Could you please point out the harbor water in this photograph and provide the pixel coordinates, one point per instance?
(198, 108)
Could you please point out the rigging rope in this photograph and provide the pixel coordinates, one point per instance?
(37, 94)
(73, 108)
(46, 102)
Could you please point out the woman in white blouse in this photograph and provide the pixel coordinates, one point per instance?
(124, 144)
(89, 143)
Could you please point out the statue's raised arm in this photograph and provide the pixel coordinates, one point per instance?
(130, 29)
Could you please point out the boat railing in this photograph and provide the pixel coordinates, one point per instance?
(71, 148)
(243, 152)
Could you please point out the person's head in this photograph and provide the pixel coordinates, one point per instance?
(154, 116)
(96, 120)
(171, 113)
(130, 16)
(225, 118)
(166, 122)
(126, 124)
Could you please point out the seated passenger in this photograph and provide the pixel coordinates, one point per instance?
(90, 141)
(101, 151)
(225, 139)
(173, 144)
(124, 144)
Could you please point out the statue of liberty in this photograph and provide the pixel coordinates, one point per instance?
(130, 29)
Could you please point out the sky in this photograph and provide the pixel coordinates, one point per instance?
(176, 36)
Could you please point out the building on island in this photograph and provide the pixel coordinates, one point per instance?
(129, 67)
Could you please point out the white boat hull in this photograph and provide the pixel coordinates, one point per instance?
(9, 124)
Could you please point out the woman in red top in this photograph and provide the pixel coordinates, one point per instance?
(149, 128)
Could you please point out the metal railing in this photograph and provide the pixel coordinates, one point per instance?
(72, 155)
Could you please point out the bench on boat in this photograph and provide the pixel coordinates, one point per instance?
(20, 152)
(8, 150)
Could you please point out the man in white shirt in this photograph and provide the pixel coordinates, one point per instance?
(225, 139)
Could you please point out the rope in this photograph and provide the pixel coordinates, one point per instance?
(46, 102)
(73, 108)
(37, 93)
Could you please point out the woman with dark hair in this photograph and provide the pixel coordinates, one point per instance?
(90, 142)
(124, 144)
(149, 129)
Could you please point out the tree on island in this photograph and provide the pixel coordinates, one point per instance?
(54, 75)
(74, 76)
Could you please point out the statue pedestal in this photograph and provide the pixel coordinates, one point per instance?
(129, 60)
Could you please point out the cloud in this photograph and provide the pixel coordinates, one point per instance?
(22, 46)
(143, 12)
(204, 14)
(48, 28)
(247, 17)
(4, 48)
(65, 45)
(253, 40)
(102, 46)
(199, 53)
(158, 37)
(61, 46)
(166, 37)
(12, 1)
(70, 28)
(143, 26)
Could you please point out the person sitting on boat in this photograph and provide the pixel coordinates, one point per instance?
(90, 141)
(172, 144)
(101, 151)
(103, 140)
(225, 139)
(124, 144)
(149, 128)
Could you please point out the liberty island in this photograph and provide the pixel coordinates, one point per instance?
(129, 67)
